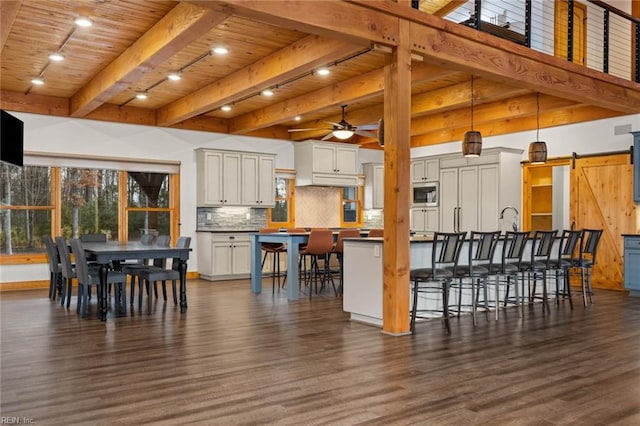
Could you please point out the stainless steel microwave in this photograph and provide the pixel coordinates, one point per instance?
(425, 194)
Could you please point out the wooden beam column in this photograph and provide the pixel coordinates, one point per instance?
(397, 160)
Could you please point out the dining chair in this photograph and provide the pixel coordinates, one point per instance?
(67, 269)
(274, 249)
(131, 268)
(55, 272)
(474, 276)
(436, 279)
(159, 272)
(586, 260)
(87, 278)
(93, 238)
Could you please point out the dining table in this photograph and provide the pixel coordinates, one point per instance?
(110, 254)
(292, 241)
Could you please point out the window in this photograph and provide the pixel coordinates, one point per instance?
(282, 215)
(148, 207)
(26, 208)
(89, 202)
(351, 214)
(70, 201)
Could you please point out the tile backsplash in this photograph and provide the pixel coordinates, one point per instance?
(373, 219)
(318, 206)
(231, 218)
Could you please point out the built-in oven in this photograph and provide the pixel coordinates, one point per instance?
(425, 194)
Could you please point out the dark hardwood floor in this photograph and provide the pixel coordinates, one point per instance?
(239, 358)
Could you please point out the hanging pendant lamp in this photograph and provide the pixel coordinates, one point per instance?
(538, 149)
(472, 141)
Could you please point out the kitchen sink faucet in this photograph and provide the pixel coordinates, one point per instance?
(514, 225)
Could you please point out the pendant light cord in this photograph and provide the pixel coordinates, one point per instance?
(537, 116)
(472, 103)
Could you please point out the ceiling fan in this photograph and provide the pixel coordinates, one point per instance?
(343, 130)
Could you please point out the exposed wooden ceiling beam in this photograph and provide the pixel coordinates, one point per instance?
(8, 12)
(501, 110)
(33, 103)
(180, 27)
(353, 90)
(328, 18)
(294, 60)
(548, 119)
(440, 7)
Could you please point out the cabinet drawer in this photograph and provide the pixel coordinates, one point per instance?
(632, 243)
(216, 238)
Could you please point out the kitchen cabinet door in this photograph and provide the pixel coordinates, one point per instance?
(241, 257)
(425, 170)
(221, 253)
(448, 200)
(373, 185)
(258, 180)
(324, 158)
(231, 179)
(424, 219)
(219, 177)
(468, 199)
(346, 160)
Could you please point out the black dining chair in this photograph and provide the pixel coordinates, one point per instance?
(159, 272)
(87, 278)
(437, 278)
(55, 269)
(94, 238)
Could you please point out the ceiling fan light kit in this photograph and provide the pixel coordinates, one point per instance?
(343, 130)
(472, 141)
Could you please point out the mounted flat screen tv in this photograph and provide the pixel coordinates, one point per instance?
(11, 139)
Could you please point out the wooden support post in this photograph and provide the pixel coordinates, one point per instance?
(397, 160)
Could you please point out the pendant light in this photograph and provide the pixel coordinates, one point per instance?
(537, 149)
(472, 142)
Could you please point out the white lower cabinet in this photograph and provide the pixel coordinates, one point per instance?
(424, 219)
(224, 256)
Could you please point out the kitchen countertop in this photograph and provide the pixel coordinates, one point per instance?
(228, 231)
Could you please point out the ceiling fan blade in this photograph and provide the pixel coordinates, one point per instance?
(327, 136)
(308, 130)
(338, 125)
(368, 127)
(366, 134)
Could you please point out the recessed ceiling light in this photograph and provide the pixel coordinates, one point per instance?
(226, 108)
(267, 92)
(38, 81)
(83, 21)
(174, 76)
(297, 118)
(323, 71)
(220, 50)
(56, 57)
(141, 95)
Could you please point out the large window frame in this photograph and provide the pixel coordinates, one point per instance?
(56, 163)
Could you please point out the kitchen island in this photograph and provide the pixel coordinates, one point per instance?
(363, 276)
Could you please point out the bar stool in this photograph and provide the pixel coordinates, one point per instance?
(274, 249)
(588, 247)
(376, 232)
(540, 262)
(510, 268)
(436, 279)
(320, 245)
(563, 263)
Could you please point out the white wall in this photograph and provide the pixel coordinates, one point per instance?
(87, 137)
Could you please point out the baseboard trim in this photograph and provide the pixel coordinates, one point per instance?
(44, 284)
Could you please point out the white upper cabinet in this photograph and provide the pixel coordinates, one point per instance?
(258, 180)
(228, 178)
(326, 163)
(373, 185)
(218, 178)
(425, 170)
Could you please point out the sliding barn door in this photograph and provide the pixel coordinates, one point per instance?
(602, 198)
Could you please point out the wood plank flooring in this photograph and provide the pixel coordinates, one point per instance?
(236, 358)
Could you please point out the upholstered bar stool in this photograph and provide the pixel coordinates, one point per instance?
(274, 249)
(319, 246)
(376, 232)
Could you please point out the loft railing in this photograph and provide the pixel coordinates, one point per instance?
(602, 40)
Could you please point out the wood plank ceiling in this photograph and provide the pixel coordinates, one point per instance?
(133, 45)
